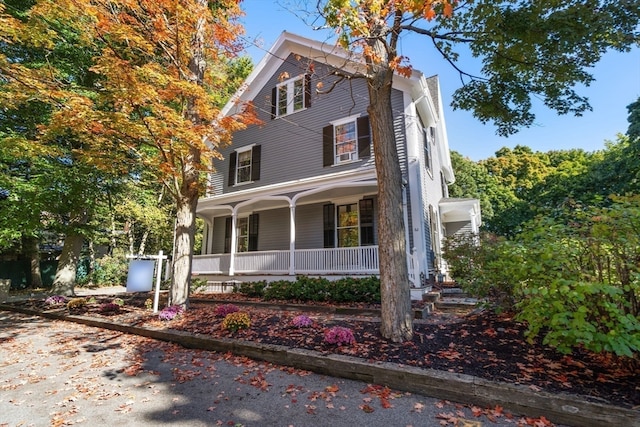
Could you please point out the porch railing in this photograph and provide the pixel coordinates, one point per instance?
(358, 260)
(211, 264)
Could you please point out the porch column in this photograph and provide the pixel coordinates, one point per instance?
(292, 239)
(232, 255)
(474, 225)
(207, 235)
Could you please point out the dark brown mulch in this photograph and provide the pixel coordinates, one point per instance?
(482, 344)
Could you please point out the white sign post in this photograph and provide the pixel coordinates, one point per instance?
(140, 277)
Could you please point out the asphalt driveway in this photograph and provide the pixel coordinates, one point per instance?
(55, 373)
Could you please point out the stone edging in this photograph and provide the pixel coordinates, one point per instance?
(559, 408)
(352, 311)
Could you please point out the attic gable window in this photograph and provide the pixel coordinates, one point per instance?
(291, 95)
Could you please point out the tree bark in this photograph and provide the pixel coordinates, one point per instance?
(396, 316)
(65, 279)
(32, 250)
(185, 232)
(190, 186)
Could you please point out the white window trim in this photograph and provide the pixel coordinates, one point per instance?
(339, 122)
(238, 151)
(290, 93)
(427, 142)
(337, 221)
(238, 236)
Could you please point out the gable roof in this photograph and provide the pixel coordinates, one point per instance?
(425, 92)
(317, 51)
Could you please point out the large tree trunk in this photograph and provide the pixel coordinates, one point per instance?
(397, 319)
(189, 188)
(31, 248)
(185, 231)
(65, 279)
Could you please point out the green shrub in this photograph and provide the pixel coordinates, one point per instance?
(571, 313)
(110, 270)
(198, 285)
(317, 289)
(484, 266)
(349, 289)
(252, 289)
(574, 277)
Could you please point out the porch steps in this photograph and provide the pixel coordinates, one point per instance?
(451, 300)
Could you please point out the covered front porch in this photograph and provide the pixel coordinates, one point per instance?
(323, 261)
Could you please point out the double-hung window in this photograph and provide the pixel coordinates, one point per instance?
(244, 165)
(346, 140)
(349, 225)
(243, 169)
(242, 234)
(291, 95)
(246, 233)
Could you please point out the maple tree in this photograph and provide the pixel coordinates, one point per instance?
(540, 48)
(161, 73)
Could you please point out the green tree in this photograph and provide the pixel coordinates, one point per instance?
(161, 75)
(541, 48)
(633, 132)
(49, 177)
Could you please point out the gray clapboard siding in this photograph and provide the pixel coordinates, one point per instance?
(309, 231)
(273, 233)
(292, 145)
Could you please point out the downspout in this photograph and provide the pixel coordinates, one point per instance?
(406, 224)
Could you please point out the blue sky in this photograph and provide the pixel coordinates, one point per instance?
(617, 85)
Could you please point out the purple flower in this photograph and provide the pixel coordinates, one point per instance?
(169, 313)
(55, 300)
(225, 309)
(302, 321)
(339, 336)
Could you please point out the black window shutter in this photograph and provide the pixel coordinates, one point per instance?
(253, 231)
(255, 162)
(329, 225)
(274, 102)
(307, 90)
(366, 222)
(327, 145)
(227, 235)
(232, 168)
(364, 137)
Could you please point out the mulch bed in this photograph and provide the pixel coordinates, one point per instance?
(483, 344)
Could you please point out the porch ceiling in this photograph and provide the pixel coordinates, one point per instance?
(319, 194)
(337, 192)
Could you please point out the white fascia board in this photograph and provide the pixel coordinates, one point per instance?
(290, 186)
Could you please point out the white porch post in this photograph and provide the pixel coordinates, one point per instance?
(232, 255)
(207, 234)
(474, 225)
(292, 239)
